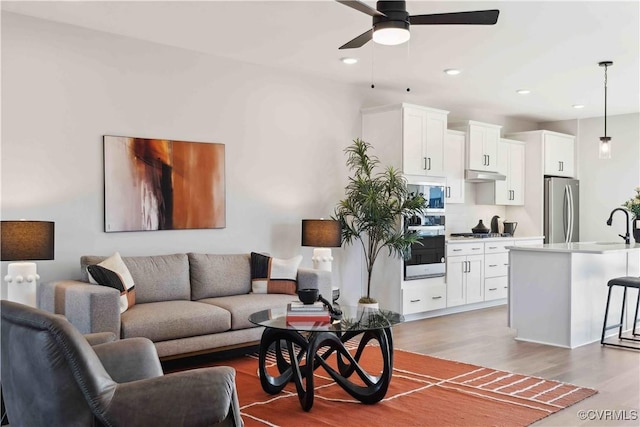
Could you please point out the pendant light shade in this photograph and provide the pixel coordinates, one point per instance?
(604, 151)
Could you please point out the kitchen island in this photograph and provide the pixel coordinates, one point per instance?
(558, 292)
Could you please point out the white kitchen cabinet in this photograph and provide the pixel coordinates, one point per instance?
(558, 151)
(496, 270)
(423, 136)
(454, 166)
(427, 295)
(465, 277)
(409, 137)
(481, 144)
(511, 163)
(558, 154)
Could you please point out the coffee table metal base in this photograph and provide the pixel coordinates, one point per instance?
(291, 347)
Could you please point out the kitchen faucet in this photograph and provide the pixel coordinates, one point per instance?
(626, 237)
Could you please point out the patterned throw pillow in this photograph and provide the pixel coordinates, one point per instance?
(273, 275)
(114, 273)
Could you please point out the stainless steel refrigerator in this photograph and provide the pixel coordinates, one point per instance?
(561, 210)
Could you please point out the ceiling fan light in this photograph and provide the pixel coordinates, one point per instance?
(391, 33)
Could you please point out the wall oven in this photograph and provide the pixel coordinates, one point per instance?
(426, 258)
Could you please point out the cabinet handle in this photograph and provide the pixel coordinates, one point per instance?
(415, 300)
(493, 289)
(436, 297)
(493, 265)
(559, 166)
(506, 287)
(493, 247)
(456, 250)
(429, 163)
(424, 159)
(448, 192)
(488, 160)
(475, 249)
(506, 263)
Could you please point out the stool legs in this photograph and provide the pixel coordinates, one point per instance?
(620, 325)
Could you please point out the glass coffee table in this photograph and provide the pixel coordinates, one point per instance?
(301, 349)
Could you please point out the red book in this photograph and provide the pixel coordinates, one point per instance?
(315, 317)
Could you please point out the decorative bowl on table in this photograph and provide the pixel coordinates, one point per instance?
(308, 296)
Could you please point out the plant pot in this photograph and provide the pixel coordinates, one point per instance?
(636, 229)
(370, 305)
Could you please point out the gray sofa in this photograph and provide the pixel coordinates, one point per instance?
(185, 303)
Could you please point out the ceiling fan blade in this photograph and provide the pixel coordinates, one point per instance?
(357, 5)
(478, 17)
(359, 41)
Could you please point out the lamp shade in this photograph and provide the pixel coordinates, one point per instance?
(321, 233)
(26, 240)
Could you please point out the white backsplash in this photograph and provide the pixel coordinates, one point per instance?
(461, 218)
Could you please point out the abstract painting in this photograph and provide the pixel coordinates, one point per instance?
(159, 184)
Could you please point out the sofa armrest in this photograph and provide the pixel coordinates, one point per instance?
(315, 279)
(130, 359)
(90, 308)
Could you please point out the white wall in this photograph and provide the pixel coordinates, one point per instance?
(604, 184)
(64, 87)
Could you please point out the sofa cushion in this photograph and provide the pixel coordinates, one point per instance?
(273, 275)
(241, 306)
(166, 320)
(219, 275)
(113, 272)
(157, 278)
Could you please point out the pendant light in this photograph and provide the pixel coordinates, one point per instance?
(605, 141)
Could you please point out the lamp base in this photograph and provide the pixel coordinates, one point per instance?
(21, 279)
(322, 259)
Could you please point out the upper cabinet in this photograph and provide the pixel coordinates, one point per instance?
(454, 166)
(558, 154)
(421, 130)
(481, 144)
(511, 163)
(557, 151)
(423, 135)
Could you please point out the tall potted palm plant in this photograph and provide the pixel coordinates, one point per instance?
(373, 210)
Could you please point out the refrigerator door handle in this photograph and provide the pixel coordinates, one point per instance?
(565, 213)
(571, 213)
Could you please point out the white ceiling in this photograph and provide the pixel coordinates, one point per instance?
(550, 47)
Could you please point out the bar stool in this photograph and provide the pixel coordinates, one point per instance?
(626, 282)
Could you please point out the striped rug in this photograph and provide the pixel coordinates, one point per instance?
(424, 391)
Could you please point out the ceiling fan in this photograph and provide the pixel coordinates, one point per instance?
(391, 21)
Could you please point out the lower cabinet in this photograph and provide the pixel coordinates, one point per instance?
(465, 277)
(464, 280)
(424, 295)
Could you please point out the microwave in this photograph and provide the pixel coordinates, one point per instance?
(433, 193)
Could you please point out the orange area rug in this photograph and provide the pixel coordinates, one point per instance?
(424, 391)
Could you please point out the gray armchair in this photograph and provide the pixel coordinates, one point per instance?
(52, 376)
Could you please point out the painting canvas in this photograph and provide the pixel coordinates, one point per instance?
(158, 184)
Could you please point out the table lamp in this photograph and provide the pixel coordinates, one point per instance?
(25, 241)
(324, 234)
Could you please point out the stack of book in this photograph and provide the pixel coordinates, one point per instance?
(305, 315)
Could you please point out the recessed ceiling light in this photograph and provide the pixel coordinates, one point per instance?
(452, 71)
(523, 91)
(349, 61)
(577, 106)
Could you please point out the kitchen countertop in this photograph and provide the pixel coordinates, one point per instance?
(579, 247)
(488, 239)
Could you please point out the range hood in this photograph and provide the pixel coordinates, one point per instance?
(471, 175)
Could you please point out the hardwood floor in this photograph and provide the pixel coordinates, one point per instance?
(481, 337)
